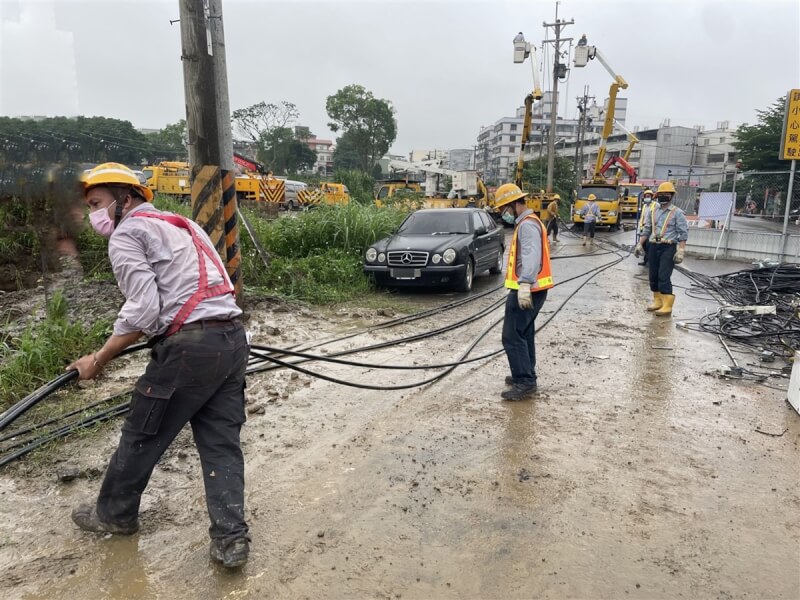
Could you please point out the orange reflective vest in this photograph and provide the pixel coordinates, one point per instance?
(544, 279)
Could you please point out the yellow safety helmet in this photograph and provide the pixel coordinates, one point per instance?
(506, 194)
(666, 188)
(592, 197)
(648, 191)
(556, 197)
(111, 173)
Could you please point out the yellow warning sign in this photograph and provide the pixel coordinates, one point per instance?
(790, 140)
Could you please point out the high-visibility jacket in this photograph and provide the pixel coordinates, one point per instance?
(544, 279)
(651, 206)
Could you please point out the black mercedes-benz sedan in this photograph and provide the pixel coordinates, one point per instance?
(436, 247)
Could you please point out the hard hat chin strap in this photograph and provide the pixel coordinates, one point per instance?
(117, 214)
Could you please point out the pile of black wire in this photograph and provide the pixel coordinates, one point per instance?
(15, 444)
(768, 333)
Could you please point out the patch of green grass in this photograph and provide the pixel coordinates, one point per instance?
(43, 349)
(316, 256)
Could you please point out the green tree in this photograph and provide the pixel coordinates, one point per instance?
(369, 121)
(757, 146)
(167, 143)
(254, 121)
(345, 155)
(534, 176)
(282, 152)
(79, 139)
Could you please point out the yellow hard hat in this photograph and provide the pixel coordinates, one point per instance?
(506, 194)
(666, 188)
(592, 197)
(114, 173)
(648, 191)
(556, 197)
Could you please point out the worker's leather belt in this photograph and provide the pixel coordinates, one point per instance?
(207, 323)
(667, 242)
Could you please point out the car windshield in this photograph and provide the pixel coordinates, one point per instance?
(602, 193)
(435, 223)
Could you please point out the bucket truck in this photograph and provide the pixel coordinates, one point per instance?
(536, 201)
(603, 190)
(467, 188)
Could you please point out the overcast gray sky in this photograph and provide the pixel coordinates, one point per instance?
(446, 66)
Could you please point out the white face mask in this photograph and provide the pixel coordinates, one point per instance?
(101, 222)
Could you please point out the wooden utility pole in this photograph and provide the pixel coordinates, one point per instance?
(208, 125)
(551, 147)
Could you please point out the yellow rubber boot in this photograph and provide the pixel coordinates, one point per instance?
(658, 302)
(666, 309)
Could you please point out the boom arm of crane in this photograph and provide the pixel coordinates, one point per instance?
(249, 163)
(623, 164)
(583, 54)
(468, 181)
(523, 50)
(431, 166)
(632, 141)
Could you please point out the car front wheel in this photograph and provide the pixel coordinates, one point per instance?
(465, 284)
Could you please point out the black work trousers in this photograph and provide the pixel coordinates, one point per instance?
(661, 260)
(518, 337)
(552, 227)
(194, 376)
(588, 228)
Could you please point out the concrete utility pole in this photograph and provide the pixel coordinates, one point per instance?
(691, 163)
(583, 106)
(208, 123)
(558, 26)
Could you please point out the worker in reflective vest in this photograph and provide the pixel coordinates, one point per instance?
(528, 277)
(178, 293)
(666, 230)
(647, 205)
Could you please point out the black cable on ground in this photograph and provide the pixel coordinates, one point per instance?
(34, 398)
(64, 431)
(450, 366)
(112, 412)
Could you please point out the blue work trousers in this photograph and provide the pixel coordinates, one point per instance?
(518, 337)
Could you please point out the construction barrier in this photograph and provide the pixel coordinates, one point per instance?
(273, 190)
(310, 197)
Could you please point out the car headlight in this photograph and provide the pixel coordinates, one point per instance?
(612, 213)
(381, 257)
(449, 256)
(436, 259)
(372, 254)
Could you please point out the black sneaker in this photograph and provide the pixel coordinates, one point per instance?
(232, 555)
(85, 517)
(519, 392)
(509, 380)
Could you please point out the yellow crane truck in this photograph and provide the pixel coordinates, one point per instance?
(606, 192)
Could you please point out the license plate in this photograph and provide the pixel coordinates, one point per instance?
(405, 273)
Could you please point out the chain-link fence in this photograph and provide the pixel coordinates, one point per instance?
(764, 195)
(756, 227)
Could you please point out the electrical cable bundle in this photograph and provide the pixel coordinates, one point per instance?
(264, 358)
(746, 318)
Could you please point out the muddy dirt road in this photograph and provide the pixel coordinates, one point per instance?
(632, 474)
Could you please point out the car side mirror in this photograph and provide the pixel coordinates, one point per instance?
(481, 231)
